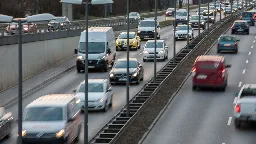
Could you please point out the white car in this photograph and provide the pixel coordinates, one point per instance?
(134, 15)
(161, 50)
(100, 94)
(182, 32)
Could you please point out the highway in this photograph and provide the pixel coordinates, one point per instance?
(205, 117)
(70, 81)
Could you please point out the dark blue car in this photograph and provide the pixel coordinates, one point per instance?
(248, 16)
(227, 43)
(240, 27)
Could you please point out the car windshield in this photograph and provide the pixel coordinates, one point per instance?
(152, 45)
(147, 24)
(207, 66)
(123, 64)
(181, 13)
(60, 19)
(92, 87)
(227, 38)
(251, 92)
(124, 36)
(133, 14)
(43, 114)
(181, 27)
(93, 47)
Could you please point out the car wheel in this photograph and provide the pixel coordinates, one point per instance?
(78, 135)
(236, 51)
(138, 81)
(78, 70)
(139, 47)
(110, 104)
(144, 60)
(218, 51)
(223, 88)
(106, 107)
(237, 124)
(194, 87)
(106, 67)
(142, 78)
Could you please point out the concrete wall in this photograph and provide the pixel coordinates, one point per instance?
(37, 56)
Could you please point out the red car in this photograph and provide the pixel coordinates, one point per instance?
(210, 71)
(12, 28)
(169, 12)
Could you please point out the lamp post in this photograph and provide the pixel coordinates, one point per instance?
(188, 24)
(127, 60)
(174, 31)
(208, 7)
(86, 3)
(155, 37)
(215, 12)
(29, 19)
(199, 13)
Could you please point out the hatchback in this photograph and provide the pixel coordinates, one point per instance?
(210, 71)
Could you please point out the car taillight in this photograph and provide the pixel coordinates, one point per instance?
(238, 108)
(193, 71)
(240, 17)
(223, 72)
(236, 43)
(218, 44)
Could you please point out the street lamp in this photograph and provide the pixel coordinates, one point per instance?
(29, 19)
(86, 3)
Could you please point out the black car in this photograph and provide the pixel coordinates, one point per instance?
(240, 27)
(194, 22)
(6, 120)
(211, 16)
(60, 23)
(118, 74)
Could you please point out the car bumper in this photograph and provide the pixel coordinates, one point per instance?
(152, 56)
(196, 25)
(124, 47)
(181, 22)
(227, 48)
(210, 19)
(115, 80)
(93, 106)
(182, 37)
(218, 84)
(245, 119)
(146, 35)
(100, 65)
(43, 140)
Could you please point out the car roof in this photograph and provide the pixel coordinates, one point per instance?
(126, 33)
(124, 59)
(214, 58)
(54, 100)
(148, 20)
(95, 81)
(248, 86)
(156, 40)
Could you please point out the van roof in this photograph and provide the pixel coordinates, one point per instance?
(94, 81)
(52, 100)
(248, 86)
(124, 59)
(126, 33)
(98, 29)
(148, 19)
(156, 40)
(240, 21)
(181, 10)
(215, 58)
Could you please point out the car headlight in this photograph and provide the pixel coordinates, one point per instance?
(161, 51)
(135, 74)
(111, 75)
(80, 58)
(212, 18)
(189, 23)
(101, 57)
(23, 133)
(145, 52)
(101, 100)
(25, 28)
(138, 31)
(60, 133)
(61, 24)
(153, 30)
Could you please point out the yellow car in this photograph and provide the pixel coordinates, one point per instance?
(121, 41)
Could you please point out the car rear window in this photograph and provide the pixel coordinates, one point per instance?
(247, 14)
(227, 38)
(209, 66)
(240, 23)
(248, 92)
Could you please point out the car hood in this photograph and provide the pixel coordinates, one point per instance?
(92, 96)
(150, 50)
(146, 28)
(125, 41)
(122, 70)
(42, 126)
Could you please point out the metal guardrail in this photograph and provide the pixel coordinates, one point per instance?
(114, 128)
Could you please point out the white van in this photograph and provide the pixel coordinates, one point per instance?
(101, 49)
(52, 118)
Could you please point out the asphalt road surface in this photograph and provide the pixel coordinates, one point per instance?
(206, 117)
(70, 81)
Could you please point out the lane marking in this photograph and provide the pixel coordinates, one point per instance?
(251, 46)
(223, 143)
(255, 37)
(240, 83)
(254, 41)
(235, 99)
(244, 71)
(229, 120)
(247, 61)
(249, 53)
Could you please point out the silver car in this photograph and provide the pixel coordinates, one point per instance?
(161, 50)
(100, 94)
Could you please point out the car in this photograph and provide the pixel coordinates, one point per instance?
(100, 94)
(248, 16)
(121, 41)
(60, 23)
(210, 71)
(212, 8)
(234, 7)
(227, 10)
(101, 49)
(181, 17)
(194, 22)
(245, 105)
(53, 118)
(211, 16)
(169, 14)
(118, 74)
(182, 32)
(240, 27)
(161, 50)
(201, 10)
(227, 43)
(146, 29)
(134, 15)
(6, 121)
(13, 28)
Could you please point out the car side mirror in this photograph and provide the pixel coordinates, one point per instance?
(166, 47)
(136, 26)
(109, 89)
(228, 66)
(116, 38)
(71, 119)
(75, 51)
(109, 51)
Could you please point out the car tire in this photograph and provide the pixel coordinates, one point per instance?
(106, 67)
(144, 60)
(142, 78)
(248, 33)
(78, 69)
(218, 51)
(236, 51)
(194, 88)
(110, 104)
(237, 124)
(78, 135)
(106, 107)
(138, 81)
(139, 47)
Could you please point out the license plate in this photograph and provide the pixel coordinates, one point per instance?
(146, 36)
(195, 25)
(122, 79)
(90, 105)
(91, 66)
(227, 44)
(151, 56)
(201, 76)
(240, 29)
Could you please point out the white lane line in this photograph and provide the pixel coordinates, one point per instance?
(223, 143)
(247, 61)
(244, 71)
(240, 83)
(249, 53)
(251, 46)
(229, 120)
(235, 99)
(255, 37)
(254, 41)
